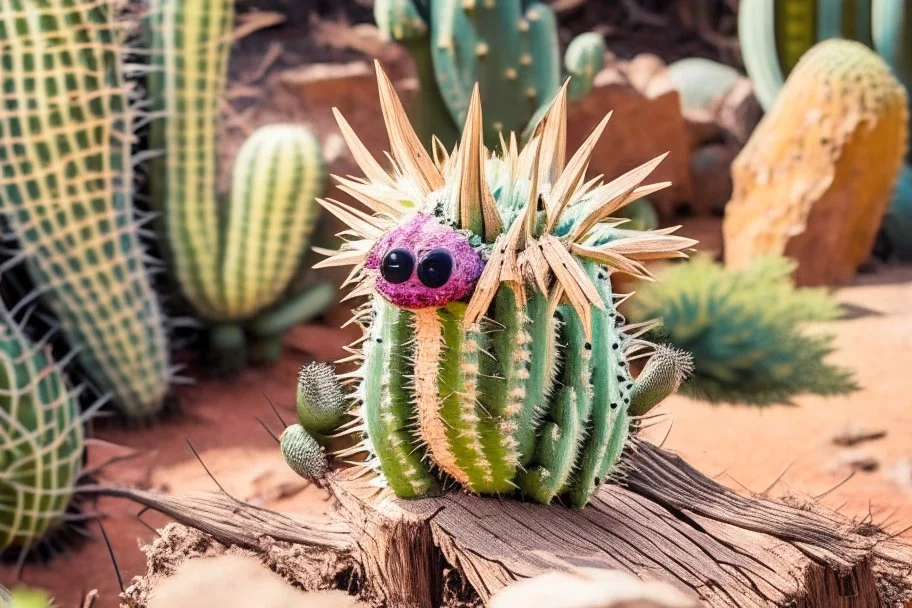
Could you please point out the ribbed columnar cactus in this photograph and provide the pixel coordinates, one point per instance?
(747, 330)
(509, 47)
(65, 191)
(41, 439)
(233, 261)
(493, 354)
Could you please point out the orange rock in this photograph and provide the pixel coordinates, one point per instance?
(815, 178)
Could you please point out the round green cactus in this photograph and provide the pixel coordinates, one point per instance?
(303, 453)
(41, 440)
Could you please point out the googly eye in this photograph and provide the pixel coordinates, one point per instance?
(435, 268)
(397, 265)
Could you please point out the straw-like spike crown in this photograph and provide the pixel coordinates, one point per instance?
(492, 347)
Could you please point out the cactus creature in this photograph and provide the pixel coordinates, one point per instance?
(493, 354)
(509, 47)
(41, 439)
(745, 329)
(66, 192)
(233, 262)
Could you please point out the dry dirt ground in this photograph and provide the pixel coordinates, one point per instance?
(745, 448)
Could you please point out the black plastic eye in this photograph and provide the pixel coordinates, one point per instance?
(397, 266)
(435, 268)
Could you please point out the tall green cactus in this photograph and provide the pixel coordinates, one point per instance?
(492, 350)
(745, 329)
(774, 35)
(41, 439)
(509, 47)
(66, 191)
(233, 261)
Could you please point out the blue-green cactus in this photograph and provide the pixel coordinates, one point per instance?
(509, 47)
(745, 329)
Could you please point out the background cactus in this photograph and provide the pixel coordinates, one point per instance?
(233, 262)
(775, 35)
(509, 47)
(746, 330)
(65, 192)
(492, 348)
(41, 439)
(804, 185)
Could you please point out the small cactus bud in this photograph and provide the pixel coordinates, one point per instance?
(320, 402)
(662, 376)
(302, 453)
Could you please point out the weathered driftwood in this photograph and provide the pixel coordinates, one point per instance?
(667, 522)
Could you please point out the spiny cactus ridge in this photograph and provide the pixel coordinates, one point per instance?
(235, 270)
(65, 191)
(509, 47)
(746, 331)
(493, 354)
(41, 439)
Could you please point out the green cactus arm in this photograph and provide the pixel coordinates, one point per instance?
(757, 34)
(453, 52)
(65, 192)
(891, 25)
(544, 76)
(41, 439)
(320, 403)
(29, 598)
(191, 40)
(303, 453)
(666, 370)
(584, 59)
(277, 175)
(388, 411)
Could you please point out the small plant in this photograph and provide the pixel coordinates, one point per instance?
(233, 260)
(509, 47)
(65, 192)
(41, 440)
(746, 331)
(493, 353)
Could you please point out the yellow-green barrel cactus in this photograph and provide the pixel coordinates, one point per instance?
(66, 191)
(41, 440)
(493, 354)
(509, 47)
(234, 256)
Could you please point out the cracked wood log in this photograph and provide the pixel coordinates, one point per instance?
(667, 522)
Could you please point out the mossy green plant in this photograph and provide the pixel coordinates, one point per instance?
(747, 331)
(66, 192)
(233, 260)
(493, 353)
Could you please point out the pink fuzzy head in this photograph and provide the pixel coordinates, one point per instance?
(424, 264)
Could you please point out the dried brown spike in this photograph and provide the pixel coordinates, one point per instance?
(406, 148)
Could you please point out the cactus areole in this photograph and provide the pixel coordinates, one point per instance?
(492, 353)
